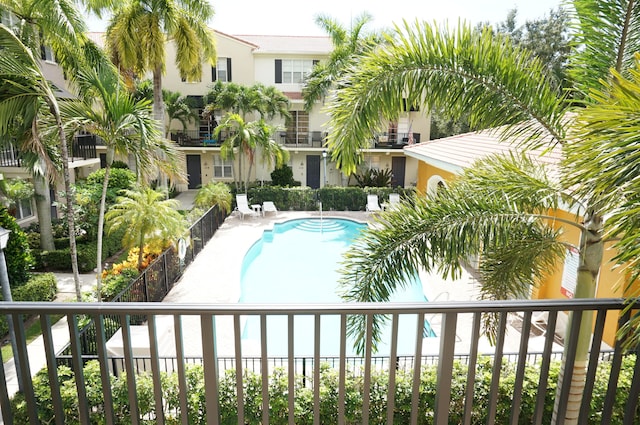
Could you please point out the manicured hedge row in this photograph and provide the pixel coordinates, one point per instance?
(333, 198)
(60, 259)
(39, 287)
(278, 391)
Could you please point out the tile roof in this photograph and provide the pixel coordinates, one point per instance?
(289, 44)
(462, 150)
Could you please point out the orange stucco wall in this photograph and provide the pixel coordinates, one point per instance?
(611, 279)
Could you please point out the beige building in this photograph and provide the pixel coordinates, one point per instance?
(283, 62)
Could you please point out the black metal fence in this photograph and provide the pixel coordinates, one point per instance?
(155, 282)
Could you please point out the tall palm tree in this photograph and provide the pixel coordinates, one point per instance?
(148, 217)
(126, 128)
(24, 91)
(183, 22)
(498, 85)
(58, 26)
(245, 138)
(347, 45)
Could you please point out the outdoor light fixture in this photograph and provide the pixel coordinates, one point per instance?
(6, 296)
(324, 158)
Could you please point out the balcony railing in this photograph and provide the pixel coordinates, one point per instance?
(196, 138)
(216, 395)
(83, 147)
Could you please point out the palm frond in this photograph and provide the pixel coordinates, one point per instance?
(467, 70)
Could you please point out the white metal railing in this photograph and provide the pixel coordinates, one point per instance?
(217, 331)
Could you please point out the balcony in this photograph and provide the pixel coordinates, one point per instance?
(195, 138)
(394, 140)
(238, 381)
(83, 147)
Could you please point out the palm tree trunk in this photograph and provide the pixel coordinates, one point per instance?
(43, 207)
(158, 114)
(591, 249)
(103, 203)
(73, 250)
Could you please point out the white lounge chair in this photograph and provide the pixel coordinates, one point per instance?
(394, 200)
(243, 206)
(268, 206)
(372, 203)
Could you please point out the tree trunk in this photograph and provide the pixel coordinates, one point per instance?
(158, 114)
(591, 249)
(43, 207)
(69, 194)
(103, 202)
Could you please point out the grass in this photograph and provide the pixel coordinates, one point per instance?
(32, 332)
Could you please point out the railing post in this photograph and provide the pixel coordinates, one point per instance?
(445, 368)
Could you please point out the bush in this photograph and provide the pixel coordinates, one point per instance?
(304, 397)
(39, 287)
(17, 254)
(283, 177)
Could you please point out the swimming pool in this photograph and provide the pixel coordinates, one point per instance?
(298, 262)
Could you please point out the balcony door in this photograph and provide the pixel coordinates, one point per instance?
(194, 171)
(398, 165)
(313, 171)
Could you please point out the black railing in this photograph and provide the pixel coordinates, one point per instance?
(195, 138)
(530, 380)
(155, 282)
(84, 147)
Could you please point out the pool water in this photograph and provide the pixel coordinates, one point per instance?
(298, 262)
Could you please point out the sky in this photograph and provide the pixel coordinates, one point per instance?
(296, 17)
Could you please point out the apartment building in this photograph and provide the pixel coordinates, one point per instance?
(284, 62)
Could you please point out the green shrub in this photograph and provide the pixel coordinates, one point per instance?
(17, 253)
(283, 176)
(39, 287)
(304, 402)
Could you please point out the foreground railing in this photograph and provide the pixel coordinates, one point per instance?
(409, 397)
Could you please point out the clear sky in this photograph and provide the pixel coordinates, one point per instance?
(296, 17)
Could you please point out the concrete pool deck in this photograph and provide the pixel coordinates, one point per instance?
(214, 277)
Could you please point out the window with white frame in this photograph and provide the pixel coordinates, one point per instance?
(23, 209)
(222, 70)
(294, 71)
(9, 19)
(222, 168)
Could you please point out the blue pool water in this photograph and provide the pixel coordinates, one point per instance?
(298, 262)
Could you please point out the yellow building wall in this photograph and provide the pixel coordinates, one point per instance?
(611, 282)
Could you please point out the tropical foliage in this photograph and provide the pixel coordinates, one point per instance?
(148, 217)
(347, 45)
(214, 193)
(504, 87)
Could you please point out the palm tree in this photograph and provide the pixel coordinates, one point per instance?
(125, 126)
(245, 138)
(498, 85)
(148, 217)
(58, 26)
(347, 46)
(177, 107)
(183, 22)
(214, 193)
(24, 91)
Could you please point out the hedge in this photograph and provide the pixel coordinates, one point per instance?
(39, 287)
(278, 391)
(334, 198)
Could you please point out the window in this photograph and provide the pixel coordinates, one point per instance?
(222, 70)
(47, 54)
(9, 19)
(293, 71)
(298, 127)
(23, 209)
(222, 167)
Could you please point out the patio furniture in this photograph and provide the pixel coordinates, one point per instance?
(394, 200)
(269, 206)
(372, 203)
(243, 206)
